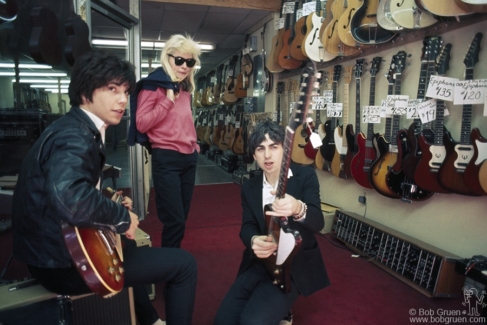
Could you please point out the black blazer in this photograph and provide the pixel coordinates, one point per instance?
(308, 270)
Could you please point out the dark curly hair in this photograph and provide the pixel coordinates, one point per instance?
(96, 69)
(276, 133)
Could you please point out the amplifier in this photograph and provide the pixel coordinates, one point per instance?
(424, 267)
(31, 304)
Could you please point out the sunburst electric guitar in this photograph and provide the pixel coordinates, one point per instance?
(97, 254)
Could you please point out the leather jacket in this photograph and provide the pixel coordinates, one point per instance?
(56, 184)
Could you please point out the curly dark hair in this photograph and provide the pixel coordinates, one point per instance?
(96, 69)
(276, 133)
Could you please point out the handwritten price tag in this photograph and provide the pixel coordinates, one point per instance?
(288, 7)
(371, 114)
(318, 103)
(412, 108)
(427, 111)
(470, 92)
(279, 24)
(334, 110)
(309, 8)
(441, 88)
(396, 104)
(328, 95)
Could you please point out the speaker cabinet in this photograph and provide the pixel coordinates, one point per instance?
(30, 304)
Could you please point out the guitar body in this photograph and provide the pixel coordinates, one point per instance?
(44, 44)
(8, 10)
(380, 168)
(445, 8)
(472, 5)
(328, 148)
(365, 28)
(397, 180)
(78, 39)
(345, 22)
(309, 151)
(426, 173)
(297, 50)
(229, 95)
(337, 163)
(351, 145)
(285, 60)
(407, 14)
(272, 59)
(241, 87)
(451, 174)
(471, 175)
(300, 139)
(97, 258)
(483, 176)
(319, 159)
(330, 38)
(411, 160)
(384, 16)
(311, 44)
(362, 161)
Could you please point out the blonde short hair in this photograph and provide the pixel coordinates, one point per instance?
(182, 44)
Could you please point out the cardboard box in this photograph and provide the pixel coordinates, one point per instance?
(329, 215)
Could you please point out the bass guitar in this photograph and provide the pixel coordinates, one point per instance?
(458, 155)
(433, 152)
(289, 240)
(97, 254)
(365, 155)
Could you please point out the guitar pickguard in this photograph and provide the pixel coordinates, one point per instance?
(464, 154)
(482, 151)
(438, 154)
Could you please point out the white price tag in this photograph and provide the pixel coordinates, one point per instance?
(309, 7)
(371, 114)
(412, 105)
(299, 14)
(318, 103)
(334, 110)
(469, 92)
(246, 50)
(279, 24)
(396, 104)
(288, 7)
(315, 140)
(427, 111)
(441, 88)
(328, 94)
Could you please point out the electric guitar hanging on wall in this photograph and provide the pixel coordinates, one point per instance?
(279, 228)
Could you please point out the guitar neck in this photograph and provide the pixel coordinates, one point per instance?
(370, 126)
(285, 164)
(466, 114)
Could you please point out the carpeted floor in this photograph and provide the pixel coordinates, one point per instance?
(361, 293)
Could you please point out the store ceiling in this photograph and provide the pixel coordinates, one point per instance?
(224, 27)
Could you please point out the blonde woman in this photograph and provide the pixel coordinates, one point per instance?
(164, 115)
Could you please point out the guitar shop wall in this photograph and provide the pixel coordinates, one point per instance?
(450, 220)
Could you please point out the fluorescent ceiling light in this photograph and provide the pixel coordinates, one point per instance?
(33, 81)
(25, 66)
(47, 86)
(143, 44)
(56, 91)
(35, 74)
(154, 65)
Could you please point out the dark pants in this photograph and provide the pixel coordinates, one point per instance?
(143, 265)
(173, 174)
(254, 300)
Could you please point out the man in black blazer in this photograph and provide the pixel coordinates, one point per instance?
(253, 299)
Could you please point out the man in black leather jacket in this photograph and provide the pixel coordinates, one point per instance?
(59, 185)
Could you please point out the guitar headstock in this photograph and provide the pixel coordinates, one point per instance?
(328, 76)
(443, 63)
(359, 68)
(399, 62)
(347, 74)
(432, 47)
(375, 65)
(472, 56)
(300, 109)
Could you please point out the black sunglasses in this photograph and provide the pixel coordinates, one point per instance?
(179, 61)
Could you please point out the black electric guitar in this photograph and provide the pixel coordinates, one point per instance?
(288, 240)
(97, 254)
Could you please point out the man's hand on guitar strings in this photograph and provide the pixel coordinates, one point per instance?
(263, 246)
(284, 207)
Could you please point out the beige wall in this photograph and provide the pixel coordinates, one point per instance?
(455, 223)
